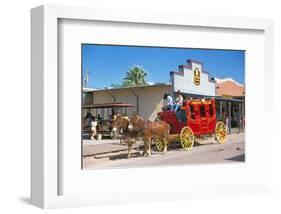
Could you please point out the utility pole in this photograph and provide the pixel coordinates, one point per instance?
(86, 78)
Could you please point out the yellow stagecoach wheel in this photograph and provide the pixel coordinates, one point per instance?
(220, 132)
(187, 138)
(159, 145)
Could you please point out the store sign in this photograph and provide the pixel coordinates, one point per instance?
(227, 96)
(196, 76)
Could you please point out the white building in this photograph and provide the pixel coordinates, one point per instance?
(192, 80)
(147, 100)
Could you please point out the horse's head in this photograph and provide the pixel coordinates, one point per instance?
(135, 122)
(120, 123)
(117, 122)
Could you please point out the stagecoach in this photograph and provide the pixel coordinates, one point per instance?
(105, 112)
(194, 121)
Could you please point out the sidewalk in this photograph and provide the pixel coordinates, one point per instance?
(99, 147)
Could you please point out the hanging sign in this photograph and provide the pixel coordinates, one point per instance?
(196, 76)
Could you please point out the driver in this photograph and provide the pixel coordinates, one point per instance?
(169, 102)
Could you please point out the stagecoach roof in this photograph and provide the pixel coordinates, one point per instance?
(108, 105)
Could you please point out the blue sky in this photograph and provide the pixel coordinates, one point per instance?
(108, 64)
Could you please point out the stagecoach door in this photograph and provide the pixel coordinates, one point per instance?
(203, 119)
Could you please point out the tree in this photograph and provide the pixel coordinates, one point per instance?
(115, 85)
(135, 76)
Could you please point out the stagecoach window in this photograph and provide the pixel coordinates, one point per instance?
(202, 111)
(211, 110)
(191, 107)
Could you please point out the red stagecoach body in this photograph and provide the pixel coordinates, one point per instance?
(198, 114)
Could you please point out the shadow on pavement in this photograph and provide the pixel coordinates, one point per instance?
(240, 158)
(125, 156)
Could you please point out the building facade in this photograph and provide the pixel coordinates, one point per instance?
(230, 105)
(193, 81)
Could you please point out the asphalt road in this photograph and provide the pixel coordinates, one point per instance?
(210, 152)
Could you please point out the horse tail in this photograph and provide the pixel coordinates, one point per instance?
(169, 128)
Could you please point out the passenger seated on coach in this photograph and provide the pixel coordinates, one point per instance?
(179, 101)
(169, 103)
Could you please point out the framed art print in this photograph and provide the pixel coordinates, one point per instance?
(163, 103)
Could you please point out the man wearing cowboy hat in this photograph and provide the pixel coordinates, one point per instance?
(179, 101)
(169, 102)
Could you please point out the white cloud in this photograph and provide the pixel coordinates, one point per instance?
(151, 83)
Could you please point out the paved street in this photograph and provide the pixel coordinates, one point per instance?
(209, 152)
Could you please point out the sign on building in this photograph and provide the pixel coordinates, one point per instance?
(196, 76)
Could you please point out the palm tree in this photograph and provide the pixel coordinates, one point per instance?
(135, 76)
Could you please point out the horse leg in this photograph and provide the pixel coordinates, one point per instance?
(165, 146)
(122, 140)
(149, 147)
(129, 148)
(145, 147)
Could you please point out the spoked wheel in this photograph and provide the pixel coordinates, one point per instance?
(187, 138)
(220, 132)
(159, 145)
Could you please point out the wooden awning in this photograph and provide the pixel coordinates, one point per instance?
(108, 105)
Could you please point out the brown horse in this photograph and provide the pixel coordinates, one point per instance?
(121, 124)
(149, 130)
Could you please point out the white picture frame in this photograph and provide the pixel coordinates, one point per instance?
(46, 174)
